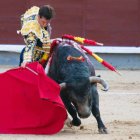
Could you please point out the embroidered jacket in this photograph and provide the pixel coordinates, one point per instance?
(37, 39)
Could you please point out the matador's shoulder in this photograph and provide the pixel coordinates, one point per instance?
(30, 14)
(32, 11)
(30, 24)
(34, 27)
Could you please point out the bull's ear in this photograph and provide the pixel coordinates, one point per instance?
(62, 86)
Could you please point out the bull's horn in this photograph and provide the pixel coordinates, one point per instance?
(94, 79)
(62, 86)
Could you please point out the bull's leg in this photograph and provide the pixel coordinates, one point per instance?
(72, 111)
(96, 112)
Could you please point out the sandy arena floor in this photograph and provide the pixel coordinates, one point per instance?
(120, 111)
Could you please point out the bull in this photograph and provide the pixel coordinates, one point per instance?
(79, 84)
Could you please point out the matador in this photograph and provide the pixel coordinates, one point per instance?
(36, 31)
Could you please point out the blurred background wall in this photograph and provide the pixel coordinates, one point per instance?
(113, 22)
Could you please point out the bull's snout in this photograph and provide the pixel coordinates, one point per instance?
(83, 110)
(84, 115)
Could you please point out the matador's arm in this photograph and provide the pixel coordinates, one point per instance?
(31, 42)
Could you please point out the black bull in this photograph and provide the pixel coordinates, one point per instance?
(79, 84)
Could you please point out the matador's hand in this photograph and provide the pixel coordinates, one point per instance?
(23, 65)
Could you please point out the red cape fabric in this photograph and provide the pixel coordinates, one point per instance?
(30, 103)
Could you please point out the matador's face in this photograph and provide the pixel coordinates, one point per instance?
(43, 21)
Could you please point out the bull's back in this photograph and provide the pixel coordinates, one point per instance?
(62, 68)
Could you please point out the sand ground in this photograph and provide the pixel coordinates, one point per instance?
(120, 111)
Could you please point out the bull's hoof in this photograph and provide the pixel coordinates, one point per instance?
(103, 131)
(76, 122)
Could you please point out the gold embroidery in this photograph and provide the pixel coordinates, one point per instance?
(34, 27)
(32, 11)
